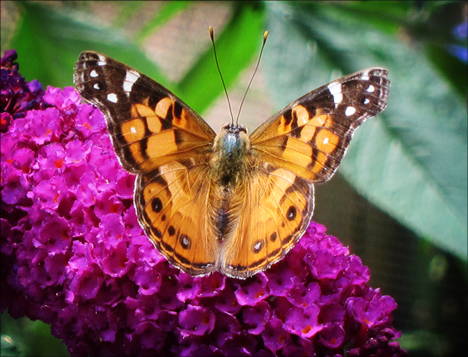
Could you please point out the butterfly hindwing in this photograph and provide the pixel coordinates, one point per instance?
(311, 135)
(273, 220)
(172, 207)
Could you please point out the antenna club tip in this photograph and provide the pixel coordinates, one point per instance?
(265, 35)
(211, 31)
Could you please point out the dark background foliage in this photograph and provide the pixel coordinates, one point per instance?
(399, 200)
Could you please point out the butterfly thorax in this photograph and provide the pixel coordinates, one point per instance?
(230, 150)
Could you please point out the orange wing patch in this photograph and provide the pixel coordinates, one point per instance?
(308, 145)
(154, 136)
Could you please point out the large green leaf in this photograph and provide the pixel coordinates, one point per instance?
(49, 42)
(411, 161)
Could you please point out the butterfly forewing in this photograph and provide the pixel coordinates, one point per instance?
(311, 135)
(149, 125)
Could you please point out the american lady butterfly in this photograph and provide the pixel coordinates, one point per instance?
(226, 202)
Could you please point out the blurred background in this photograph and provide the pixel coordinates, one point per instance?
(399, 200)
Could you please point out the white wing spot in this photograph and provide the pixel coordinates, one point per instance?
(350, 111)
(93, 74)
(130, 78)
(133, 130)
(366, 101)
(365, 75)
(96, 86)
(112, 97)
(335, 90)
(370, 89)
(325, 141)
(101, 63)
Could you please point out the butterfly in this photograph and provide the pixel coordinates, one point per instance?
(226, 202)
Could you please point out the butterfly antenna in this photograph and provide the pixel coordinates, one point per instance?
(219, 71)
(265, 36)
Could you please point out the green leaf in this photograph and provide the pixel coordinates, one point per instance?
(411, 161)
(23, 337)
(127, 10)
(386, 16)
(170, 8)
(451, 67)
(236, 46)
(49, 42)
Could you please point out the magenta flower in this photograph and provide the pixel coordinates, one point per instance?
(16, 95)
(74, 256)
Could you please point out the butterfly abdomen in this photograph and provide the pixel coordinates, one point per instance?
(229, 164)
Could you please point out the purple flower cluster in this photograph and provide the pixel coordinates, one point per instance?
(17, 95)
(74, 256)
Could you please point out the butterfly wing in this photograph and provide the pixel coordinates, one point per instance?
(160, 138)
(311, 135)
(172, 204)
(149, 125)
(301, 145)
(277, 208)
